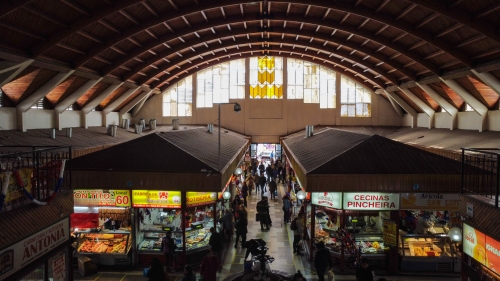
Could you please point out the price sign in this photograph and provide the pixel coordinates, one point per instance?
(390, 233)
(101, 197)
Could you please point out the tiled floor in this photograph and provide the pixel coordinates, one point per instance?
(279, 240)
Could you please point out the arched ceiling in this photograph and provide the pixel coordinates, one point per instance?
(387, 45)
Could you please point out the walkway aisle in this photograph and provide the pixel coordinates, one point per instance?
(277, 238)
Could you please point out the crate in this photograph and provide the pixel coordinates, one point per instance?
(85, 266)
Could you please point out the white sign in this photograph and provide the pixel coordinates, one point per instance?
(328, 199)
(371, 201)
(59, 268)
(470, 210)
(429, 201)
(33, 247)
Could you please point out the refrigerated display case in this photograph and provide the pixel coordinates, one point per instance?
(105, 247)
(427, 253)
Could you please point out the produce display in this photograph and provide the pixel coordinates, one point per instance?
(426, 247)
(197, 238)
(371, 247)
(194, 239)
(103, 243)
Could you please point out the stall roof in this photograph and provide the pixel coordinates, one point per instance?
(193, 150)
(332, 151)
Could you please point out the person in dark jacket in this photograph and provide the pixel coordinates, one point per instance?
(364, 272)
(262, 184)
(156, 271)
(272, 189)
(189, 274)
(241, 229)
(263, 212)
(217, 244)
(244, 193)
(252, 247)
(227, 225)
(322, 260)
(235, 204)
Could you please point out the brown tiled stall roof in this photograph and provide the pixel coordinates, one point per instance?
(174, 151)
(341, 160)
(180, 160)
(18, 225)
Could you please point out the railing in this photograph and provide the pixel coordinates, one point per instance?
(38, 167)
(480, 172)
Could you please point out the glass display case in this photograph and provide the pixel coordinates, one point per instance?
(427, 253)
(426, 246)
(106, 243)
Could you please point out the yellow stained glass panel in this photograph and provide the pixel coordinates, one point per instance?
(266, 63)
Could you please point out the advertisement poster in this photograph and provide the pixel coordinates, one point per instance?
(156, 199)
(474, 244)
(101, 197)
(430, 201)
(327, 199)
(492, 254)
(370, 201)
(24, 252)
(390, 232)
(59, 268)
(200, 198)
(14, 192)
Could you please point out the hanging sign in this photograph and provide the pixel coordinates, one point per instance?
(430, 201)
(156, 199)
(26, 251)
(101, 197)
(370, 201)
(59, 268)
(327, 199)
(15, 192)
(200, 198)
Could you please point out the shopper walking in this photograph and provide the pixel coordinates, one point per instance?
(209, 265)
(364, 272)
(256, 179)
(234, 204)
(294, 226)
(168, 248)
(262, 184)
(322, 261)
(227, 225)
(156, 271)
(273, 187)
(244, 193)
(262, 213)
(189, 274)
(287, 207)
(217, 243)
(241, 229)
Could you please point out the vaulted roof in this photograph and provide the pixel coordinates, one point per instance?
(407, 50)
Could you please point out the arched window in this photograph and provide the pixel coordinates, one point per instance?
(355, 100)
(266, 77)
(310, 82)
(178, 99)
(221, 82)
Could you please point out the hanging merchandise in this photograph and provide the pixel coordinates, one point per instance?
(349, 243)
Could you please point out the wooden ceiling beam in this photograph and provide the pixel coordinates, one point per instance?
(298, 48)
(8, 7)
(45, 16)
(382, 5)
(23, 31)
(129, 17)
(427, 20)
(109, 26)
(173, 5)
(89, 36)
(242, 40)
(406, 11)
(149, 8)
(470, 41)
(76, 7)
(180, 74)
(71, 48)
(459, 16)
(448, 30)
(487, 11)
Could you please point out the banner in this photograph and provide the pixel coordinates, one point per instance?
(328, 199)
(26, 251)
(156, 199)
(101, 197)
(200, 198)
(14, 191)
(371, 201)
(429, 201)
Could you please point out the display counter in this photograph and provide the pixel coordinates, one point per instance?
(105, 247)
(427, 253)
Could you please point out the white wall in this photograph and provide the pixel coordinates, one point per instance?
(39, 119)
(8, 120)
(70, 118)
(442, 120)
(94, 119)
(469, 120)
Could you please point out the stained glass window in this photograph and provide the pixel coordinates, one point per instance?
(178, 99)
(266, 77)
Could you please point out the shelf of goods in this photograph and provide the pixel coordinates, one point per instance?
(109, 243)
(196, 240)
(428, 253)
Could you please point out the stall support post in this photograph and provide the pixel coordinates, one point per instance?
(342, 248)
(313, 227)
(392, 267)
(183, 225)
